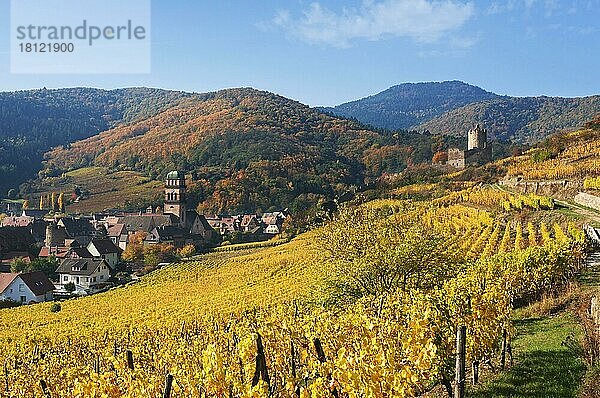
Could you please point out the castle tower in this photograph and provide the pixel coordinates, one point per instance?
(477, 138)
(49, 241)
(53, 238)
(175, 195)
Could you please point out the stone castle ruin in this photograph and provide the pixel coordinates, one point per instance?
(478, 151)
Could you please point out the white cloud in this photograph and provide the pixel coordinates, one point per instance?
(420, 20)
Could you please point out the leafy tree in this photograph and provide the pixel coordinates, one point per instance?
(53, 203)
(187, 251)
(440, 157)
(158, 253)
(375, 252)
(18, 265)
(61, 202)
(134, 252)
(70, 287)
(47, 265)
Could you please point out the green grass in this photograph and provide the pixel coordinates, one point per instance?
(107, 190)
(570, 213)
(547, 361)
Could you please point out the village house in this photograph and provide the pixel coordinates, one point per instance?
(117, 233)
(86, 274)
(197, 225)
(169, 234)
(273, 222)
(106, 250)
(80, 229)
(37, 227)
(249, 223)
(8, 206)
(26, 287)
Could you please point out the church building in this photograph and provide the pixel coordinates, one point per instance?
(177, 224)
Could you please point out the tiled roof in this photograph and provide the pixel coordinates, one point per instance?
(37, 282)
(58, 252)
(117, 230)
(81, 252)
(77, 226)
(6, 279)
(84, 266)
(148, 222)
(15, 239)
(104, 246)
(14, 221)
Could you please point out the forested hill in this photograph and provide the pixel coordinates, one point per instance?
(452, 107)
(522, 120)
(249, 150)
(31, 122)
(410, 104)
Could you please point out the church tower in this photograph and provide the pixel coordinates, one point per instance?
(175, 195)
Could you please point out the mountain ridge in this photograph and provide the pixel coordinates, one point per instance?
(519, 119)
(249, 149)
(525, 120)
(34, 121)
(405, 105)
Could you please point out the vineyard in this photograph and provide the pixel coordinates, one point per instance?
(365, 306)
(573, 155)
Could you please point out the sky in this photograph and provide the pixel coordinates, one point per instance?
(327, 52)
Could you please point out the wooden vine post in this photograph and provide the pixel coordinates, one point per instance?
(129, 359)
(168, 386)
(6, 375)
(475, 372)
(503, 354)
(459, 382)
(322, 358)
(261, 372)
(45, 389)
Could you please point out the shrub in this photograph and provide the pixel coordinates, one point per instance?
(55, 307)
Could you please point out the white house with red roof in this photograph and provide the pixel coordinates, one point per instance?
(26, 287)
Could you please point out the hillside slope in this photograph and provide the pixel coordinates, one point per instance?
(522, 120)
(573, 156)
(207, 321)
(410, 104)
(248, 150)
(32, 122)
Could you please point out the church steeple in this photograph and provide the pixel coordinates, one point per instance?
(175, 195)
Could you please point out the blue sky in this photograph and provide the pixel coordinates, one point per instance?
(328, 52)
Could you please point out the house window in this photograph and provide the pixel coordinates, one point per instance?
(23, 299)
(101, 276)
(65, 278)
(21, 288)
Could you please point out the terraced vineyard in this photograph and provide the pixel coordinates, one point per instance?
(573, 155)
